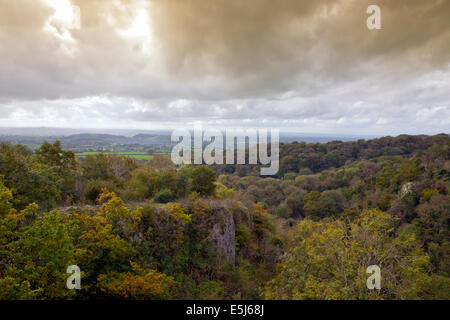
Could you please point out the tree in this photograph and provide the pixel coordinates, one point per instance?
(28, 179)
(433, 224)
(283, 211)
(295, 201)
(142, 185)
(61, 161)
(12, 285)
(320, 205)
(41, 255)
(139, 284)
(203, 179)
(53, 155)
(328, 260)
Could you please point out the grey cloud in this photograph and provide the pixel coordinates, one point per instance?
(218, 49)
(287, 62)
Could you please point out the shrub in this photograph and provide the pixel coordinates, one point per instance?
(203, 179)
(164, 196)
(94, 188)
(283, 211)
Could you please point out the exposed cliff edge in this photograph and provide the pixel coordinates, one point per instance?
(223, 235)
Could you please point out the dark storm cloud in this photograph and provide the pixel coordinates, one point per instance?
(272, 46)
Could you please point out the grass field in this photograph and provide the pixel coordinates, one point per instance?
(130, 154)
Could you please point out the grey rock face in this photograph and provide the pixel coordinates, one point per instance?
(223, 236)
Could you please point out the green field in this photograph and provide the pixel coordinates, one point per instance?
(130, 154)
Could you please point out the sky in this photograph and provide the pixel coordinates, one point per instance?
(295, 65)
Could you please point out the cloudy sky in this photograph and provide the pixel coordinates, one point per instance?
(309, 66)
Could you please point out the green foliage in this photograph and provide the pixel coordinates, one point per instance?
(164, 196)
(427, 194)
(94, 188)
(41, 255)
(328, 260)
(243, 236)
(28, 179)
(221, 191)
(203, 179)
(176, 251)
(289, 176)
(211, 290)
(62, 161)
(142, 185)
(386, 177)
(140, 284)
(295, 201)
(283, 211)
(385, 201)
(320, 205)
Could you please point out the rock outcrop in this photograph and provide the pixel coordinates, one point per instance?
(223, 235)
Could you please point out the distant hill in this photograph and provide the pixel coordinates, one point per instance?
(90, 140)
(87, 138)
